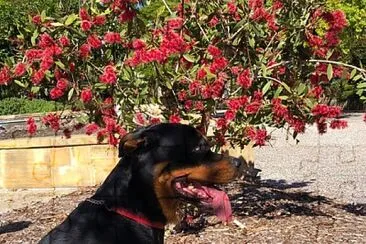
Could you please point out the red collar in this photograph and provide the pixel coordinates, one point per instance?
(138, 218)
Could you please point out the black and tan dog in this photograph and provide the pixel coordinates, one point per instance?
(160, 166)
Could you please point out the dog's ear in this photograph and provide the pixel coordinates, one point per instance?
(129, 143)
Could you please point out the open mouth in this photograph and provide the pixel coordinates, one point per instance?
(206, 195)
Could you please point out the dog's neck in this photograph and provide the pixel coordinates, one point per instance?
(123, 189)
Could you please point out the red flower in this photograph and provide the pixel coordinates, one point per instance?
(321, 125)
(140, 119)
(138, 44)
(155, 121)
(339, 20)
(47, 62)
(112, 37)
(317, 91)
(109, 75)
(174, 118)
(218, 64)
(94, 42)
(244, 79)
(213, 22)
(230, 115)
(56, 93)
(338, 124)
(221, 123)
(64, 41)
(99, 20)
(214, 51)
(126, 16)
(188, 105)
(84, 15)
(277, 5)
(86, 95)
(37, 19)
(20, 69)
(260, 138)
(199, 106)
(38, 77)
(194, 87)
(175, 23)
(62, 84)
(85, 50)
(201, 74)
(252, 108)
(86, 25)
(31, 126)
(279, 109)
(253, 4)
(231, 8)
(52, 120)
(182, 95)
(45, 41)
(32, 54)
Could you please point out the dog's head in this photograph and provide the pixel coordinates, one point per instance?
(176, 161)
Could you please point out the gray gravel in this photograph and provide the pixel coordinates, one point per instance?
(332, 165)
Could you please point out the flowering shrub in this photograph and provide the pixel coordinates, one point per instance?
(261, 64)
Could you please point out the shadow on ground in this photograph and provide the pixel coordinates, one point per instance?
(14, 226)
(271, 199)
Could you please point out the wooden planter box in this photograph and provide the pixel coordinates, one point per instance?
(54, 162)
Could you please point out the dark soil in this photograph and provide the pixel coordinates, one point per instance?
(267, 212)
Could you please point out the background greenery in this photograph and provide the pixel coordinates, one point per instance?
(10, 106)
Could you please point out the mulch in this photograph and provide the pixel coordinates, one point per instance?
(264, 212)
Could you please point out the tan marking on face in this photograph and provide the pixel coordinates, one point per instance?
(216, 173)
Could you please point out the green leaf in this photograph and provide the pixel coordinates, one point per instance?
(361, 85)
(309, 103)
(160, 11)
(34, 37)
(287, 88)
(19, 83)
(278, 91)
(330, 72)
(35, 89)
(251, 42)
(357, 77)
(189, 58)
(70, 94)
(43, 15)
(168, 84)
(301, 88)
(70, 19)
(57, 24)
(266, 87)
(59, 64)
(353, 73)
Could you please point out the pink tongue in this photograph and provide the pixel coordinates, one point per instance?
(220, 203)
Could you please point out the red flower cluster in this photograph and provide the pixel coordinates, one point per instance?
(214, 51)
(213, 22)
(174, 118)
(111, 130)
(279, 110)
(64, 41)
(244, 79)
(260, 13)
(86, 95)
(172, 43)
(20, 69)
(109, 75)
(323, 110)
(5, 76)
(338, 124)
(218, 64)
(112, 37)
(52, 120)
(259, 136)
(31, 126)
(94, 41)
(337, 22)
(91, 128)
(37, 20)
(60, 89)
(85, 50)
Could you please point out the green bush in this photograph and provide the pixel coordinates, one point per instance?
(11, 106)
(354, 37)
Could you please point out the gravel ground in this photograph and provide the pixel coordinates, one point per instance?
(333, 164)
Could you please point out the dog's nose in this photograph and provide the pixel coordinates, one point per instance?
(237, 162)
